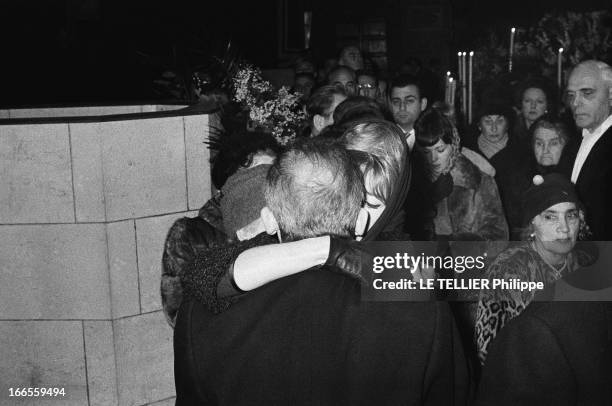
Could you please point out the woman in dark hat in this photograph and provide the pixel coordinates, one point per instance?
(555, 221)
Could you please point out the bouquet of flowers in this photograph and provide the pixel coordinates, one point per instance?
(277, 111)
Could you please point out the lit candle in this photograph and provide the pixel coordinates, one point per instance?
(459, 66)
(512, 31)
(451, 100)
(463, 90)
(470, 85)
(559, 68)
(446, 88)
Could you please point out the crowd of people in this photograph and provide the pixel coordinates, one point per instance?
(263, 288)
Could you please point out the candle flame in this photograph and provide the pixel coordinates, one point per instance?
(459, 53)
(513, 29)
(447, 73)
(450, 80)
(464, 53)
(560, 50)
(471, 53)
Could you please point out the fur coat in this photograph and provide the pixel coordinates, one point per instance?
(473, 210)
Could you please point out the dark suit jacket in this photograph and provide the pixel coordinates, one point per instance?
(557, 353)
(594, 188)
(309, 339)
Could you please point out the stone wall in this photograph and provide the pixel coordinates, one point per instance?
(84, 209)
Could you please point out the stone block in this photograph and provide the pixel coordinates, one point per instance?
(144, 167)
(88, 173)
(47, 354)
(101, 372)
(145, 360)
(198, 160)
(54, 271)
(151, 234)
(123, 268)
(35, 174)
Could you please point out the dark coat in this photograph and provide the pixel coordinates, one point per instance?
(557, 353)
(594, 188)
(186, 237)
(467, 208)
(310, 339)
(474, 205)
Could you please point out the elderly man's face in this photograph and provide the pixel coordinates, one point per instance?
(343, 77)
(589, 97)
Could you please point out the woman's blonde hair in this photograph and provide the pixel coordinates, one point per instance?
(380, 149)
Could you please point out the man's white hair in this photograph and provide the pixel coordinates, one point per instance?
(604, 69)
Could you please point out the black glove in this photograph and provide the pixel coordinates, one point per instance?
(347, 257)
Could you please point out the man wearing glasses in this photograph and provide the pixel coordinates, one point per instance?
(367, 85)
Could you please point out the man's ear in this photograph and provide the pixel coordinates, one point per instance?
(423, 103)
(319, 122)
(269, 221)
(361, 225)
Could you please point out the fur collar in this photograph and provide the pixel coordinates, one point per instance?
(465, 174)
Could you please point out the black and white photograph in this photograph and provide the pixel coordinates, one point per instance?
(306, 202)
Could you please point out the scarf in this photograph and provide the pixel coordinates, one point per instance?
(490, 148)
(435, 173)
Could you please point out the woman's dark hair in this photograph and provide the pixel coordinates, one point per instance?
(537, 83)
(237, 150)
(359, 108)
(553, 123)
(433, 126)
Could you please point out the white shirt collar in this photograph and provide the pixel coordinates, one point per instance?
(589, 139)
(598, 132)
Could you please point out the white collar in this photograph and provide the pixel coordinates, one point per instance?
(603, 127)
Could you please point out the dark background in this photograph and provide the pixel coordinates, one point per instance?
(89, 51)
